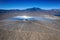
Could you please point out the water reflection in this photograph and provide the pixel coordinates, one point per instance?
(30, 18)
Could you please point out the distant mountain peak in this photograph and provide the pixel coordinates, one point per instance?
(33, 9)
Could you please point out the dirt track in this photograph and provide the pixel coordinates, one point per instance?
(29, 31)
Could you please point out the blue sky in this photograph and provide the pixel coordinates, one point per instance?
(23, 4)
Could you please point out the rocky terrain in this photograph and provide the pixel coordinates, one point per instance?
(30, 30)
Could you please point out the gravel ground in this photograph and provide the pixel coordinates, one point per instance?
(29, 30)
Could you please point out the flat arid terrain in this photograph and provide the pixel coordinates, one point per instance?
(29, 30)
(44, 29)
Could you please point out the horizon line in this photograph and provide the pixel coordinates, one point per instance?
(27, 8)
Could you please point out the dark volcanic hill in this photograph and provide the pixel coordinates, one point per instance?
(30, 12)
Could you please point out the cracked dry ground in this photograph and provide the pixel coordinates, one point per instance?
(16, 30)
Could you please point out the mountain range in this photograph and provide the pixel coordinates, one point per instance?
(29, 12)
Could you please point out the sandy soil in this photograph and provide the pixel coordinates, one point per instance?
(29, 30)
